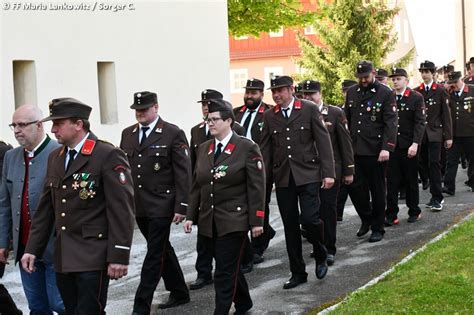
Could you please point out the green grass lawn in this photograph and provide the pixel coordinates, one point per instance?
(439, 280)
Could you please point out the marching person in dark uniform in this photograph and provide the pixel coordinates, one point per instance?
(229, 195)
(381, 75)
(298, 92)
(88, 198)
(7, 305)
(298, 156)
(371, 111)
(461, 102)
(250, 117)
(158, 153)
(343, 189)
(336, 123)
(200, 134)
(438, 131)
(447, 69)
(403, 162)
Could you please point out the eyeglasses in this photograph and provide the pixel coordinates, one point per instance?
(213, 120)
(21, 125)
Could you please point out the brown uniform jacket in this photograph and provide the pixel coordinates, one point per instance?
(91, 207)
(411, 119)
(469, 79)
(372, 119)
(257, 127)
(198, 136)
(229, 191)
(161, 169)
(462, 111)
(299, 144)
(336, 123)
(438, 117)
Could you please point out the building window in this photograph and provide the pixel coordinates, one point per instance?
(24, 82)
(406, 37)
(270, 72)
(309, 30)
(107, 93)
(278, 33)
(241, 37)
(238, 79)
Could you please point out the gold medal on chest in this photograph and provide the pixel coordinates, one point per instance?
(83, 184)
(83, 194)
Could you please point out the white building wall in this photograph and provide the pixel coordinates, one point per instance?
(174, 48)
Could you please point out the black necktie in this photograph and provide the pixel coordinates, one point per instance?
(285, 112)
(248, 119)
(72, 155)
(399, 97)
(144, 130)
(427, 88)
(218, 152)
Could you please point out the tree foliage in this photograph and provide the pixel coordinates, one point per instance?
(349, 31)
(252, 17)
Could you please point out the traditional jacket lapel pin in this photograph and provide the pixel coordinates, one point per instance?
(243, 109)
(277, 109)
(260, 125)
(156, 167)
(229, 148)
(261, 109)
(324, 111)
(211, 148)
(297, 104)
(159, 128)
(88, 147)
(373, 90)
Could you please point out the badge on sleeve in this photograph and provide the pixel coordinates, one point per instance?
(259, 165)
(120, 170)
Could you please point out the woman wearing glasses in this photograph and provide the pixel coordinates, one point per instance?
(228, 196)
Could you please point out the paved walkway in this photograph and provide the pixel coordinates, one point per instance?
(357, 261)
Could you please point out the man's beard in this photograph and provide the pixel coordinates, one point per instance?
(254, 103)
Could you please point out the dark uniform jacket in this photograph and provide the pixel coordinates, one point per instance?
(161, 169)
(411, 119)
(336, 123)
(372, 119)
(469, 79)
(229, 191)
(4, 147)
(462, 111)
(299, 144)
(91, 207)
(198, 136)
(257, 127)
(438, 117)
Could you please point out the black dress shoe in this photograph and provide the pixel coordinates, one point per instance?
(242, 309)
(403, 195)
(448, 191)
(321, 269)
(172, 302)
(295, 281)
(376, 237)
(247, 267)
(364, 229)
(257, 259)
(199, 283)
(330, 259)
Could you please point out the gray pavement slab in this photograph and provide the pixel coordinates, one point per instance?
(357, 262)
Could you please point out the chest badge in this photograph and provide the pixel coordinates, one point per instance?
(156, 167)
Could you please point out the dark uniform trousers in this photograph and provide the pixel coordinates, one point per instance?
(402, 171)
(308, 197)
(229, 281)
(369, 178)
(460, 144)
(328, 212)
(160, 256)
(83, 293)
(430, 166)
(344, 192)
